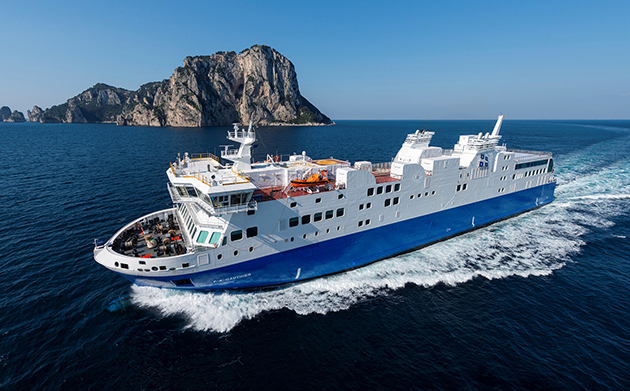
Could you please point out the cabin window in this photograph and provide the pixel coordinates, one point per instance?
(388, 189)
(235, 252)
(368, 205)
(397, 187)
(318, 200)
(294, 221)
(224, 241)
(433, 192)
(318, 216)
(396, 199)
(465, 186)
(388, 202)
(459, 187)
(340, 196)
(339, 212)
(251, 232)
(367, 222)
(202, 236)
(219, 256)
(330, 214)
(236, 235)
(379, 190)
(306, 219)
(360, 223)
(293, 204)
(251, 212)
(370, 192)
(361, 207)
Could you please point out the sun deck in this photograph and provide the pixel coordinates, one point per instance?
(151, 237)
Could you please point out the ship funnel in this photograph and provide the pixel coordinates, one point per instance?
(497, 127)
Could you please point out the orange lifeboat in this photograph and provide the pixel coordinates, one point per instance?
(317, 179)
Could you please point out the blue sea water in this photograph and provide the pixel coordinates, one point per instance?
(539, 301)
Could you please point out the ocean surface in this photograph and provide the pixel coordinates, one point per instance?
(536, 302)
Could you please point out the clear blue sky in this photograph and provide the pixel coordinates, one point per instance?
(355, 60)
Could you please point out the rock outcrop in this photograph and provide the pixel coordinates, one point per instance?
(16, 116)
(34, 115)
(5, 112)
(259, 84)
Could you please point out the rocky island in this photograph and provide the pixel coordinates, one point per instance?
(7, 116)
(258, 84)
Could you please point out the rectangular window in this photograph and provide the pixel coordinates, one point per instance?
(465, 186)
(339, 212)
(367, 222)
(379, 190)
(306, 219)
(459, 187)
(318, 200)
(214, 239)
(330, 214)
(396, 199)
(252, 231)
(236, 235)
(294, 221)
(368, 205)
(202, 236)
(317, 217)
(388, 189)
(370, 192)
(388, 202)
(361, 207)
(360, 223)
(397, 187)
(293, 204)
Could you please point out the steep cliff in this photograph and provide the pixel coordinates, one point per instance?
(259, 84)
(34, 115)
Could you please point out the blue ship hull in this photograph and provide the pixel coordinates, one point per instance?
(362, 248)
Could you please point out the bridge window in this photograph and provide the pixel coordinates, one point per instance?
(202, 236)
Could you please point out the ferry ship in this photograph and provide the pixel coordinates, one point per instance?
(246, 225)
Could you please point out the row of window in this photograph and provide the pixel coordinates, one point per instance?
(238, 234)
(420, 195)
(390, 201)
(319, 216)
(367, 222)
(379, 189)
(462, 187)
(317, 201)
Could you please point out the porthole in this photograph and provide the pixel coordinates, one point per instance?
(318, 200)
(154, 268)
(251, 249)
(219, 256)
(304, 236)
(338, 228)
(340, 196)
(116, 264)
(327, 230)
(235, 252)
(292, 238)
(316, 233)
(162, 267)
(293, 204)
